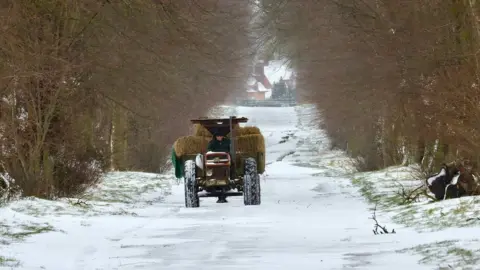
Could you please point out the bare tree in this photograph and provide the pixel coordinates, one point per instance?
(93, 85)
(396, 82)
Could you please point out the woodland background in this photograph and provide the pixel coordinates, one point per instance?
(88, 86)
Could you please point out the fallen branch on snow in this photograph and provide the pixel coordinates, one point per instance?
(377, 226)
(409, 195)
(80, 202)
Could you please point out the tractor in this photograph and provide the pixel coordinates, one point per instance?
(225, 174)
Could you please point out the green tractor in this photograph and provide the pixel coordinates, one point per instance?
(224, 174)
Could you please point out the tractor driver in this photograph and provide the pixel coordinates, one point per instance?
(219, 144)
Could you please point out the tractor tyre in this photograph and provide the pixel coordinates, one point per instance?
(251, 183)
(191, 187)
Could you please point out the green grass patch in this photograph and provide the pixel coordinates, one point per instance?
(430, 252)
(9, 262)
(464, 253)
(453, 255)
(370, 192)
(28, 230)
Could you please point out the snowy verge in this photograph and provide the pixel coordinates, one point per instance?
(315, 144)
(386, 187)
(119, 194)
(446, 234)
(453, 224)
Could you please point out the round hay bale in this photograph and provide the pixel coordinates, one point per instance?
(190, 145)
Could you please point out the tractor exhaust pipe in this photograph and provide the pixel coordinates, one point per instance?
(232, 148)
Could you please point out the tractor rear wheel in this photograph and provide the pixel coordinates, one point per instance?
(251, 183)
(191, 187)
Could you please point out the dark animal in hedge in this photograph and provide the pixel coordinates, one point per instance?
(448, 183)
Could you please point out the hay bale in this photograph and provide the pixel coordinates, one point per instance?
(189, 145)
(251, 144)
(199, 130)
(248, 130)
(254, 143)
(261, 164)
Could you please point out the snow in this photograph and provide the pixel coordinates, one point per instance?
(314, 215)
(262, 88)
(447, 229)
(251, 80)
(276, 70)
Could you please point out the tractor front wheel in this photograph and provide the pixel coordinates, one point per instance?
(191, 187)
(251, 183)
